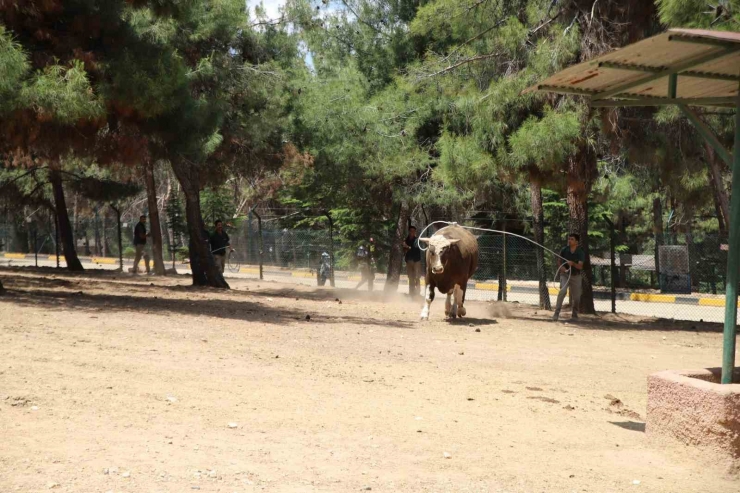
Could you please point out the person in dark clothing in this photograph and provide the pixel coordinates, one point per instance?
(366, 259)
(140, 236)
(220, 243)
(413, 261)
(570, 274)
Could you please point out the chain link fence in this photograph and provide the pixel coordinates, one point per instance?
(674, 275)
(687, 284)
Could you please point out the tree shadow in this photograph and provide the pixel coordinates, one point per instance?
(55, 294)
(600, 322)
(630, 425)
(472, 322)
(240, 286)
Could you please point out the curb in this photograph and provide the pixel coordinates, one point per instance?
(478, 286)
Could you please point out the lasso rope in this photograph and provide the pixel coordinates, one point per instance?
(557, 271)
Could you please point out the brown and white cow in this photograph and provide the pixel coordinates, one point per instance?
(452, 257)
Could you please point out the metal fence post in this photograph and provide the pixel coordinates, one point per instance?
(56, 236)
(262, 245)
(120, 236)
(503, 279)
(613, 265)
(331, 249)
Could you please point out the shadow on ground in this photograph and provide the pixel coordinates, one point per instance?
(244, 302)
(472, 322)
(76, 293)
(630, 425)
(608, 321)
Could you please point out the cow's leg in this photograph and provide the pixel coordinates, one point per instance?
(461, 309)
(427, 301)
(448, 305)
(457, 301)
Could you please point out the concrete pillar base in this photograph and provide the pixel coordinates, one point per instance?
(691, 406)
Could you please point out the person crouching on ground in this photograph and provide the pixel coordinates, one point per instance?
(220, 243)
(140, 236)
(570, 274)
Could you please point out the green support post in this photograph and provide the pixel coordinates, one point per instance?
(733, 263)
(673, 86)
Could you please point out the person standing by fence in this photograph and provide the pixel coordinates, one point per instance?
(413, 261)
(570, 275)
(220, 243)
(140, 235)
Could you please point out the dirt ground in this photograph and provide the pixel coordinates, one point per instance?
(116, 383)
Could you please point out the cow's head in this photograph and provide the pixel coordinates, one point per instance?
(438, 248)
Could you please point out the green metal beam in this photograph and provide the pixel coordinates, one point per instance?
(710, 75)
(672, 86)
(708, 134)
(566, 90)
(631, 66)
(729, 340)
(652, 101)
(653, 70)
(683, 38)
(685, 65)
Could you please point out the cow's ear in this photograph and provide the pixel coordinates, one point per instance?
(424, 240)
(454, 240)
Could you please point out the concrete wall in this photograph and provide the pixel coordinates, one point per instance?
(692, 407)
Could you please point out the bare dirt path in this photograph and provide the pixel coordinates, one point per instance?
(108, 383)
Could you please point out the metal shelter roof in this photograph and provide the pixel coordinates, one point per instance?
(682, 67)
(706, 66)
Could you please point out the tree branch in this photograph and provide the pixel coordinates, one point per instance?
(10, 182)
(461, 63)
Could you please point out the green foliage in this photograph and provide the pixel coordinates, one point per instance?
(175, 216)
(64, 94)
(545, 142)
(217, 204)
(104, 190)
(721, 14)
(14, 67)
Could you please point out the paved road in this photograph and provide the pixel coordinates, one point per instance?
(662, 310)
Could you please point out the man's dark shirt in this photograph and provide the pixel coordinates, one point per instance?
(578, 256)
(414, 252)
(219, 242)
(140, 234)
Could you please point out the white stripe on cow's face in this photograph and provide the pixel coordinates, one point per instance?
(438, 247)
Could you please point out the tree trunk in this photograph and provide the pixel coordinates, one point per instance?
(165, 232)
(155, 228)
(693, 265)
(581, 168)
(96, 232)
(106, 249)
(658, 232)
(535, 191)
(75, 220)
(718, 189)
(202, 265)
(718, 210)
(170, 241)
(395, 259)
(65, 228)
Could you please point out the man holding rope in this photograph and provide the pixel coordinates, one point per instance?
(220, 242)
(570, 274)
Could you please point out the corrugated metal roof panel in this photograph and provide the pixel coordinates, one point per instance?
(716, 53)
